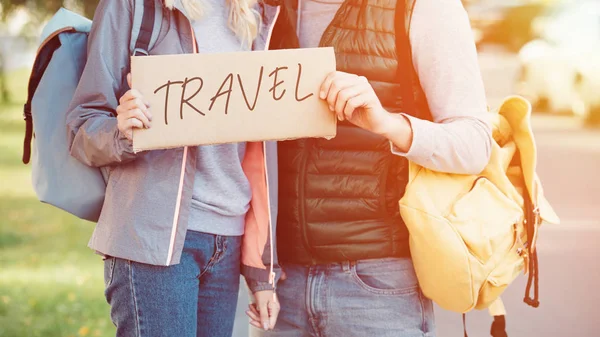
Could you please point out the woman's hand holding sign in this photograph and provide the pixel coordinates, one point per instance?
(132, 112)
(352, 98)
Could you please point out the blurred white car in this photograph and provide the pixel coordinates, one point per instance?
(560, 71)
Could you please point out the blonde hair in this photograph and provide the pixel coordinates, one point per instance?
(243, 19)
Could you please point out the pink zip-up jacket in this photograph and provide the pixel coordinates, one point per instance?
(145, 213)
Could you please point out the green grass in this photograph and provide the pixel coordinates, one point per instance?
(17, 85)
(51, 284)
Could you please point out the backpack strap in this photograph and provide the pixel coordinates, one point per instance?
(47, 49)
(147, 20)
(497, 308)
(498, 328)
(531, 223)
(498, 311)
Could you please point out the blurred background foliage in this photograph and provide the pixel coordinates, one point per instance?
(51, 284)
(44, 8)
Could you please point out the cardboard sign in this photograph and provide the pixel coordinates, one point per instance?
(198, 99)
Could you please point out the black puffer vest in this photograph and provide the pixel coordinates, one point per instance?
(339, 198)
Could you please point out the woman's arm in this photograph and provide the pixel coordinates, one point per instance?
(445, 58)
(92, 125)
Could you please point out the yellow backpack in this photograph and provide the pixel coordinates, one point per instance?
(472, 235)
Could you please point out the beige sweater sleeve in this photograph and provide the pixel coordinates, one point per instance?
(445, 58)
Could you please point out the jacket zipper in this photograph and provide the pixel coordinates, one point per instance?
(272, 274)
(177, 207)
(181, 180)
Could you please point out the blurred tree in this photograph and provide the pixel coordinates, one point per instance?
(4, 93)
(38, 12)
(45, 8)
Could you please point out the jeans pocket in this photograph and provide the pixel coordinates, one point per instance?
(109, 269)
(390, 276)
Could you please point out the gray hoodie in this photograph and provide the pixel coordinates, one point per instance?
(222, 192)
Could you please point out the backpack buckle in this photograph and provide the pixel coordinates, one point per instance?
(537, 218)
(27, 111)
(140, 52)
(523, 254)
(522, 249)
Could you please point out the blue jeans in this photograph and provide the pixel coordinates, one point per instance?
(197, 297)
(377, 298)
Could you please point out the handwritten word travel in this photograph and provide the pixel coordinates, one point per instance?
(192, 86)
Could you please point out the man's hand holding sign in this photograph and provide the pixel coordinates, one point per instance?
(200, 99)
(352, 98)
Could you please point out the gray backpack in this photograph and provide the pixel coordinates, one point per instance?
(59, 179)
